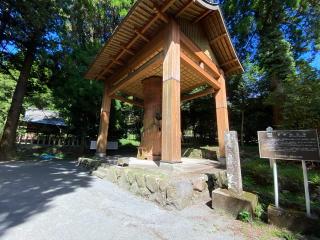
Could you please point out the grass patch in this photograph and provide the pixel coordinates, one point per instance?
(258, 178)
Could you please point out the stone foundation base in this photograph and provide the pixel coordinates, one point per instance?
(233, 203)
(293, 220)
(166, 187)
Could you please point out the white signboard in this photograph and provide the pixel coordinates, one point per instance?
(111, 145)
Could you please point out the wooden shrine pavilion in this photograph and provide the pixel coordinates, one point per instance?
(157, 56)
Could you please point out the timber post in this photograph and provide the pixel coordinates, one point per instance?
(171, 125)
(104, 122)
(222, 114)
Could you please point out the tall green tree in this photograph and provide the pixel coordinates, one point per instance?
(26, 34)
(276, 34)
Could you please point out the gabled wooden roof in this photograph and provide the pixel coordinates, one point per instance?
(146, 18)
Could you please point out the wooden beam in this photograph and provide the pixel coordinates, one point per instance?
(200, 54)
(229, 62)
(213, 41)
(141, 35)
(186, 91)
(210, 80)
(202, 16)
(167, 5)
(232, 69)
(222, 114)
(156, 44)
(104, 122)
(163, 8)
(127, 50)
(135, 75)
(171, 114)
(184, 8)
(197, 95)
(117, 62)
(138, 103)
(164, 17)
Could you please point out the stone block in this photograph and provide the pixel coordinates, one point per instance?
(111, 175)
(140, 180)
(293, 220)
(234, 203)
(123, 182)
(123, 161)
(199, 184)
(98, 173)
(160, 197)
(179, 194)
(163, 184)
(233, 162)
(221, 180)
(144, 192)
(134, 188)
(152, 183)
(131, 177)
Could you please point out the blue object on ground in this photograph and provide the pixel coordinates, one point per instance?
(46, 156)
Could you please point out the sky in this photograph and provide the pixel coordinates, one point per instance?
(316, 62)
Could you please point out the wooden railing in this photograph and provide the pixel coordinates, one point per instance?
(49, 140)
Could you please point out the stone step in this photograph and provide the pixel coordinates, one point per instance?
(100, 172)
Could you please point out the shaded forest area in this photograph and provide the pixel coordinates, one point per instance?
(47, 46)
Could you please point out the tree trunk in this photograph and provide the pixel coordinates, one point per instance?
(8, 140)
(277, 108)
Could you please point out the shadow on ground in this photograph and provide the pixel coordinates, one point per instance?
(27, 189)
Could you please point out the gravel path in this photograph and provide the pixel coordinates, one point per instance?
(57, 201)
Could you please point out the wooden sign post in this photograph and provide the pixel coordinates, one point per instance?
(299, 145)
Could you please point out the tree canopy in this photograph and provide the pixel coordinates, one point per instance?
(47, 46)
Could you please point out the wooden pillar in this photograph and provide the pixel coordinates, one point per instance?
(171, 125)
(150, 147)
(222, 114)
(104, 122)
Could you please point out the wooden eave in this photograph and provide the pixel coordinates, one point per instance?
(143, 22)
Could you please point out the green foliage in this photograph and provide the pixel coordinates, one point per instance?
(286, 235)
(245, 216)
(122, 6)
(258, 178)
(302, 92)
(7, 85)
(275, 35)
(272, 38)
(259, 211)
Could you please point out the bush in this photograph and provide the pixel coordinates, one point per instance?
(245, 216)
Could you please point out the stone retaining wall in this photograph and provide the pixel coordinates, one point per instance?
(169, 190)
